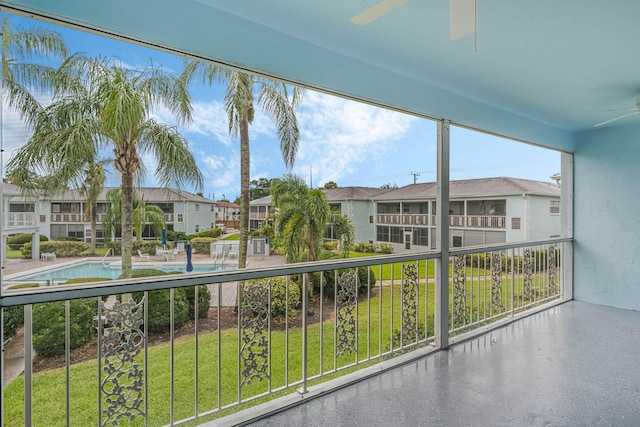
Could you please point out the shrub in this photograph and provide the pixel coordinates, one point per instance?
(331, 245)
(365, 248)
(214, 232)
(202, 245)
(204, 298)
(266, 230)
(13, 318)
(279, 295)
(49, 325)
(328, 280)
(176, 235)
(159, 304)
(61, 249)
(385, 248)
(21, 239)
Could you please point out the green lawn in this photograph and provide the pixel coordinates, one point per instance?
(235, 236)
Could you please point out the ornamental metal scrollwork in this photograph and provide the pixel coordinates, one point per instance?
(123, 383)
(346, 300)
(527, 274)
(459, 288)
(410, 301)
(254, 323)
(553, 271)
(496, 280)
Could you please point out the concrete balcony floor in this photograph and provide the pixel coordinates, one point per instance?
(575, 364)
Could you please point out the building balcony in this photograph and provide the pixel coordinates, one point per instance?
(21, 219)
(463, 221)
(368, 314)
(67, 217)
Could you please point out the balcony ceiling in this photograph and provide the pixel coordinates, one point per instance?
(538, 70)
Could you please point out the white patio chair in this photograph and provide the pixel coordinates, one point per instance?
(143, 256)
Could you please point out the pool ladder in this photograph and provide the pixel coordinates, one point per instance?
(105, 257)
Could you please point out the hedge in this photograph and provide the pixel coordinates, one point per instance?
(374, 248)
(21, 239)
(278, 296)
(214, 232)
(61, 249)
(202, 245)
(13, 318)
(49, 325)
(204, 300)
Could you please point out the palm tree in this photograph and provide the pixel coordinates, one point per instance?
(91, 187)
(242, 91)
(20, 47)
(143, 213)
(98, 104)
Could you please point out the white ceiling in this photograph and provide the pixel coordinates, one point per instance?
(538, 70)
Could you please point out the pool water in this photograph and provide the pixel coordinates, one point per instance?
(97, 269)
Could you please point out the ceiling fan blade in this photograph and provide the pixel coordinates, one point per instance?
(462, 18)
(606, 122)
(376, 11)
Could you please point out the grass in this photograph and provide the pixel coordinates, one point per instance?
(235, 236)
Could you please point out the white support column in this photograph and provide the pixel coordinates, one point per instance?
(442, 239)
(566, 222)
(35, 246)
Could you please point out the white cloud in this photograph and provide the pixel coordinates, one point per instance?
(221, 174)
(339, 136)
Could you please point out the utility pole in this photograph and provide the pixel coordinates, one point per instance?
(415, 176)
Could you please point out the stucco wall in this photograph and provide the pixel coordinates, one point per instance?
(607, 217)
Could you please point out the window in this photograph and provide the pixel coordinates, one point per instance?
(76, 230)
(421, 236)
(370, 219)
(197, 228)
(515, 223)
(197, 208)
(58, 230)
(180, 217)
(395, 234)
(43, 218)
(213, 207)
(382, 233)
(554, 207)
(22, 207)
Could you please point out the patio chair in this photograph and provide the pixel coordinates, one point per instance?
(143, 256)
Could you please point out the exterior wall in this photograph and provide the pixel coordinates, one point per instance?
(202, 220)
(542, 224)
(606, 225)
(359, 212)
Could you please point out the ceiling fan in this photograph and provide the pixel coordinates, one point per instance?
(634, 110)
(462, 16)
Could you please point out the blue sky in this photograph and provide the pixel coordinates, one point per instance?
(344, 141)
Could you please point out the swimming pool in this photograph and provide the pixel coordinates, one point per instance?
(86, 269)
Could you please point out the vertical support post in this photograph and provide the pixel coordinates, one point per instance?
(442, 238)
(305, 297)
(566, 223)
(28, 364)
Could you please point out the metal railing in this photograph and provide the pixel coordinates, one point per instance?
(471, 221)
(262, 338)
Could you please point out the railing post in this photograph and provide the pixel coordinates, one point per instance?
(305, 297)
(442, 239)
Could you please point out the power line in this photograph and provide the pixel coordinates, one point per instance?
(415, 176)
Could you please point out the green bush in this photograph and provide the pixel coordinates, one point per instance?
(21, 239)
(374, 248)
(202, 245)
(328, 280)
(176, 235)
(159, 304)
(214, 232)
(278, 295)
(266, 230)
(61, 249)
(66, 239)
(49, 325)
(13, 318)
(331, 245)
(204, 299)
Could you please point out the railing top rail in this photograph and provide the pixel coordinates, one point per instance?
(504, 246)
(62, 293)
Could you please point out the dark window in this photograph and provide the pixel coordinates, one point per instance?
(395, 234)
(515, 223)
(22, 207)
(421, 236)
(382, 233)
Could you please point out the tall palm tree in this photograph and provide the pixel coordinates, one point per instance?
(22, 48)
(242, 92)
(100, 104)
